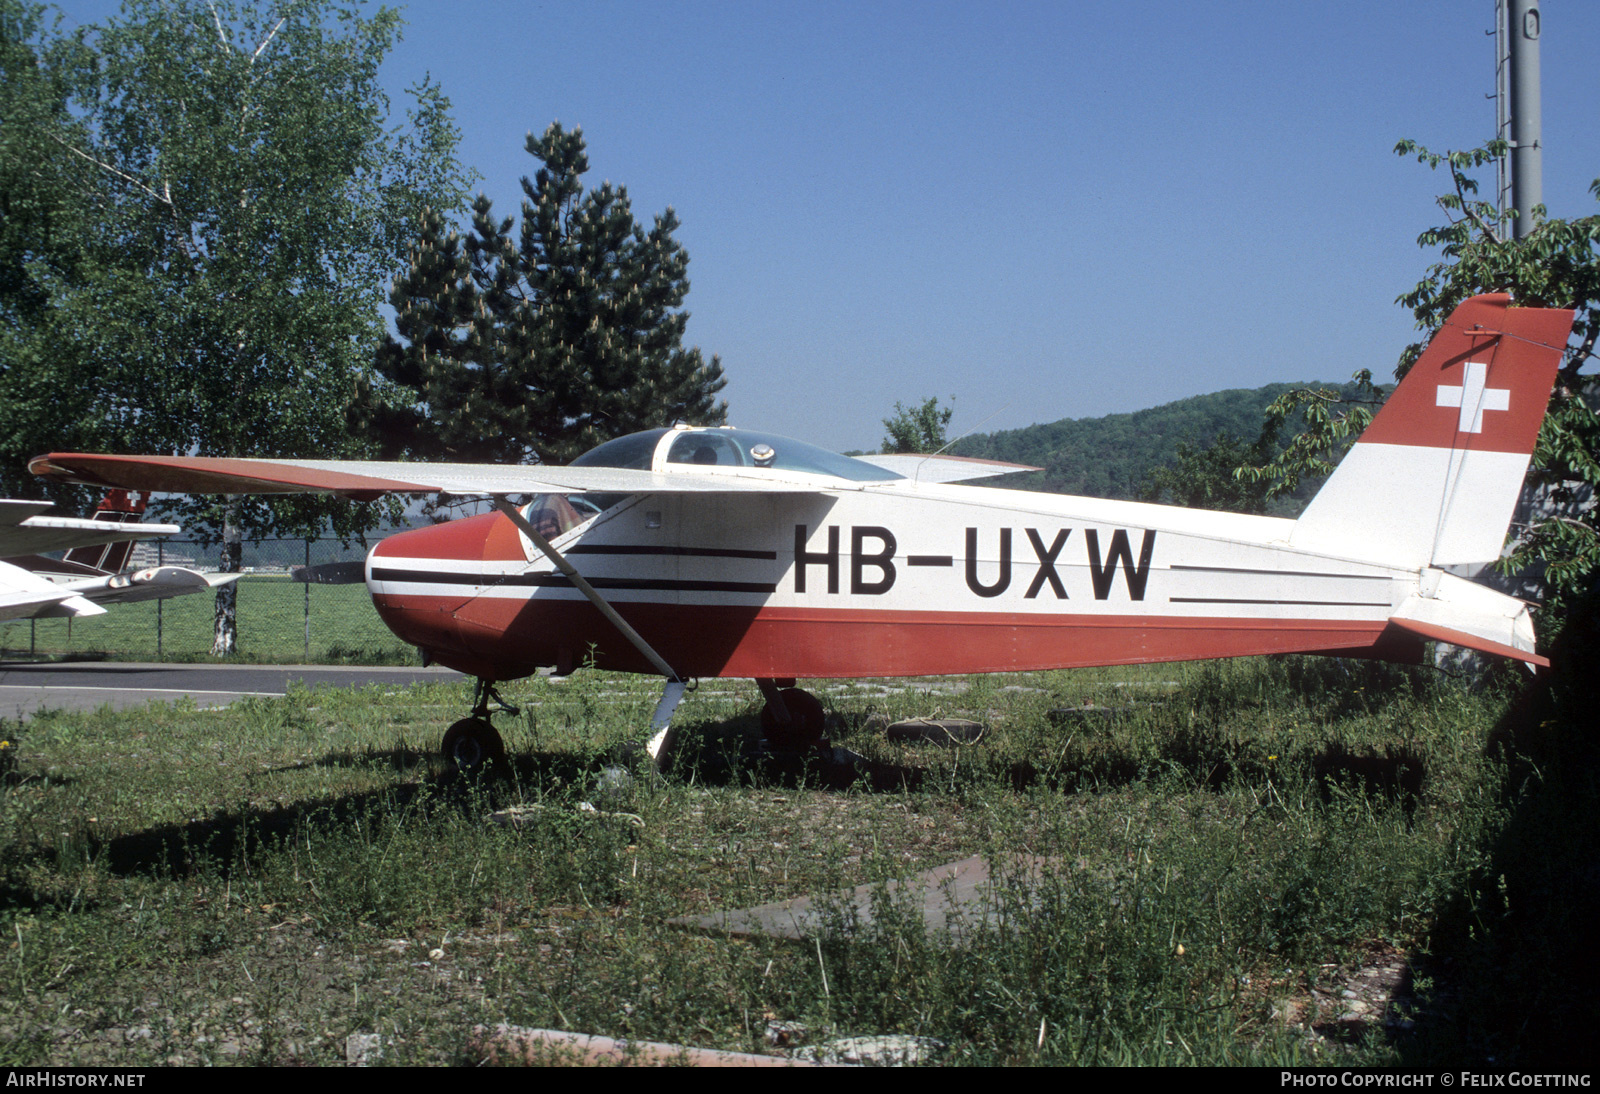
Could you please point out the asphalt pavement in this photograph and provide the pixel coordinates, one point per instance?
(27, 687)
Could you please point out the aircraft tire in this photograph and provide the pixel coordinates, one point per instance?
(807, 721)
(472, 744)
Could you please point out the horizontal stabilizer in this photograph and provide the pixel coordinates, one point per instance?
(1464, 613)
(1436, 633)
(22, 532)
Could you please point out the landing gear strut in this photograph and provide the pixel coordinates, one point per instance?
(473, 743)
(792, 720)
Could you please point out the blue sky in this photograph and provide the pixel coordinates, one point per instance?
(1044, 210)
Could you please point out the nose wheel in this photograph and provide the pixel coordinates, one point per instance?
(472, 744)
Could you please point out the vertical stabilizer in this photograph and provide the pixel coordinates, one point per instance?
(1434, 479)
(117, 507)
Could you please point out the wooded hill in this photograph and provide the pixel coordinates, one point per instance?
(1109, 457)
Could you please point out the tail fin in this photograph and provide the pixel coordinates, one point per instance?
(1434, 479)
(117, 507)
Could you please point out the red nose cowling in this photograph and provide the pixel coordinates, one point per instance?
(428, 587)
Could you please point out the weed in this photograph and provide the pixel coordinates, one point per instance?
(1182, 861)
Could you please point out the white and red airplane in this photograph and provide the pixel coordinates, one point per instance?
(94, 571)
(721, 552)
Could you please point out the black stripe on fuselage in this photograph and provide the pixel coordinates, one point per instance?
(1296, 603)
(1279, 573)
(560, 581)
(686, 552)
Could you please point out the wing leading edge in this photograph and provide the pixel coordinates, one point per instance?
(366, 480)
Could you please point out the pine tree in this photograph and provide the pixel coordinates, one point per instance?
(539, 347)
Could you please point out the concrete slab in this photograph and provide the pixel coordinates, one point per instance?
(939, 731)
(955, 895)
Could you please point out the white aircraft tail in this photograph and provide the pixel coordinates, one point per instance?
(117, 507)
(1435, 478)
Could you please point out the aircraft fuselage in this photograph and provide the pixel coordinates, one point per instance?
(881, 579)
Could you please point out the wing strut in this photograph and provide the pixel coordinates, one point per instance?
(588, 590)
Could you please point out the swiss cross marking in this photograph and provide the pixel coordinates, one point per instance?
(1474, 396)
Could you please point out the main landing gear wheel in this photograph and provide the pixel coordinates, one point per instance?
(472, 744)
(806, 721)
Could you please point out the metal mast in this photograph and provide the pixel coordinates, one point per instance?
(1502, 116)
(1522, 25)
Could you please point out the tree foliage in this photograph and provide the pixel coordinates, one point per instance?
(47, 248)
(209, 198)
(203, 204)
(1203, 477)
(1555, 264)
(1112, 456)
(1305, 432)
(921, 428)
(539, 345)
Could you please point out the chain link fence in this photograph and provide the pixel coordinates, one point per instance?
(280, 619)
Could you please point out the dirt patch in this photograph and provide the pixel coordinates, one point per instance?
(1346, 1004)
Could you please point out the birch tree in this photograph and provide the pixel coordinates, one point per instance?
(242, 194)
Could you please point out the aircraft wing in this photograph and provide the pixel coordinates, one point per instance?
(925, 468)
(367, 480)
(154, 583)
(22, 531)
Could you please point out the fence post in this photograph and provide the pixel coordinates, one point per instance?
(161, 558)
(308, 601)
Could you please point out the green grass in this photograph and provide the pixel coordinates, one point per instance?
(344, 628)
(258, 884)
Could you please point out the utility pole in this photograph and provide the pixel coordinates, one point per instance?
(1517, 27)
(1502, 118)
